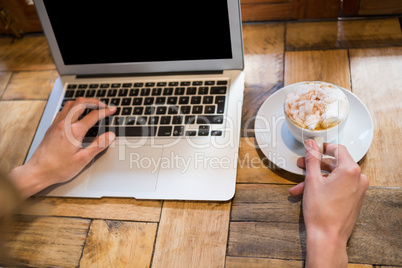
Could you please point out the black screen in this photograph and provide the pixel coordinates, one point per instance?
(90, 32)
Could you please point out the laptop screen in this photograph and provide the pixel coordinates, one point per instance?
(140, 31)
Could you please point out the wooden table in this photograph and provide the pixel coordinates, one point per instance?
(262, 226)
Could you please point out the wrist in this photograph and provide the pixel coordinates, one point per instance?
(27, 180)
(325, 250)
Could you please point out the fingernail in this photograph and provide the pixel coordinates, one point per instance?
(308, 143)
(113, 108)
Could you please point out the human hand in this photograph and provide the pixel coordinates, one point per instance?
(60, 156)
(331, 203)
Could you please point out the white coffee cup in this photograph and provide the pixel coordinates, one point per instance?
(321, 136)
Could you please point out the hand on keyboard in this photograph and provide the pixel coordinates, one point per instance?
(60, 156)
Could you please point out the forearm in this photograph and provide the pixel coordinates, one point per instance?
(324, 250)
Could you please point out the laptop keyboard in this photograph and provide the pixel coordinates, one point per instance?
(164, 109)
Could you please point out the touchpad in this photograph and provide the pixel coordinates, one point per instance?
(122, 169)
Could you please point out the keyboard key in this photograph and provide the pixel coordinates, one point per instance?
(145, 91)
(104, 85)
(112, 92)
(185, 109)
(216, 133)
(118, 120)
(160, 100)
(184, 100)
(141, 120)
(90, 93)
(83, 86)
(138, 110)
(172, 100)
(190, 119)
(197, 83)
(203, 90)
(153, 120)
(173, 110)
(123, 92)
(150, 84)
(79, 93)
(177, 120)
(191, 90)
(137, 101)
(116, 85)
(138, 131)
(101, 93)
(210, 119)
(178, 131)
(71, 86)
(191, 133)
(179, 91)
(149, 110)
(69, 94)
(203, 131)
(165, 120)
(161, 110)
(222, 82)
(209, 109)
(173, 84)
(220, 101)
(126, 101)
(165, 131)
(105, 101)
(130, 120)
(157, 91)
(218, 90)
(197, 109)
(195, 100)
(115, 102)
(134, 92)
(127, 85)
(126, 111)
(161, 84)
(138, 84)
(209, 83)
(168, 91)
(93, 86)
(208, 99)
(149, 101)
(185, 83)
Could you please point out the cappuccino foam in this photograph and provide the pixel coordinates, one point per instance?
(316, 106)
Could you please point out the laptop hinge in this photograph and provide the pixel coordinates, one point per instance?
(147, 74)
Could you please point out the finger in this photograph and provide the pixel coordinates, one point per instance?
(297, 190)
(66, 108)
(80, 105)
(312, 160)
(94, 116)
(98, 145)
(327, 164)
(338, 151)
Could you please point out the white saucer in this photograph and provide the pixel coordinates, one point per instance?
(280, 147)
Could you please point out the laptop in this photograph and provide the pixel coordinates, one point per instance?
(174, 71)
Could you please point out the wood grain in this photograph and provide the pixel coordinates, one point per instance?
(35, 85)
(267, 222)
(254, 167)
(103, 208)
(238, 262)
(266, 11)
(17, 130)
(119, 244)
(4, 79)
(29, 53)
(323, 65)
(385, 7)
(192, 234)
(377, 81)
(343, 34)
(263, 49)
(46, 241)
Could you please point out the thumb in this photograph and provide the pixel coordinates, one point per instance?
(313, 160)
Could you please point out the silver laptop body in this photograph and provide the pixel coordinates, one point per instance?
(147, 45)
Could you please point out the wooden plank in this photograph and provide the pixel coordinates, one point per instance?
(267, 222)
(103, 208)
(4, 80)
(28, 53)
(377, 81)
(316, 9)
(265, 203)
(192, 234)
(46, 241)
(17, 130)
(119, 244)
(323, 65)
(254, 167)
(343, 34)
(266, 11)
(236, 262)
(263, 49)
(377, 237)
(30, 85)
(384, 7)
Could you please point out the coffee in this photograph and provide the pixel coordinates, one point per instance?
(316, 106)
